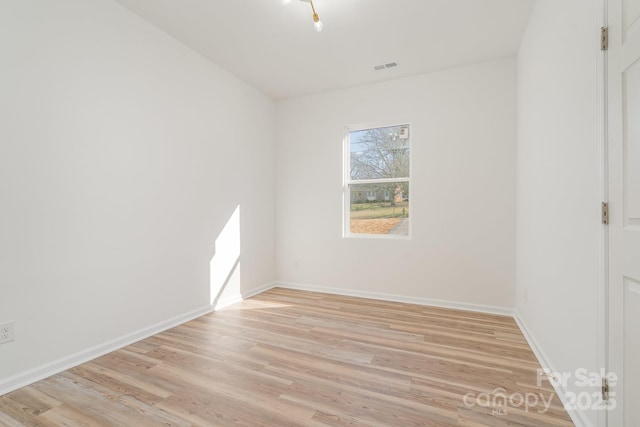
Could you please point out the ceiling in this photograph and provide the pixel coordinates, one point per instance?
(275, 48)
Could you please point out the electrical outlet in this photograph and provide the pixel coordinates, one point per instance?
(526, 295)
(7, 332)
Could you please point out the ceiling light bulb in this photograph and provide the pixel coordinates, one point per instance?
(317, 22)
(285, 1)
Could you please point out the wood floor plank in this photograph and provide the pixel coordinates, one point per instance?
(294, 358)
(7, 421)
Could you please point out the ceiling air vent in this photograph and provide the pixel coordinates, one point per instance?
(385, 66)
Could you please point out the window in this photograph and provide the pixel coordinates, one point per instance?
(376, 181)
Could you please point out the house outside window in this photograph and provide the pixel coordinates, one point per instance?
(377, 181)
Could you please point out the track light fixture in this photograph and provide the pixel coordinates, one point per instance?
(317, 23)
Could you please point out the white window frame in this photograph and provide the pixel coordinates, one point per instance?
(347, 182)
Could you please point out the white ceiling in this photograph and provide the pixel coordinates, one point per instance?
(276, 49)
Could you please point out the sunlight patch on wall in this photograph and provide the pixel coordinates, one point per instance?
(225, 264)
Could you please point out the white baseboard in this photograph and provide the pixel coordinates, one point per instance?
(578, 417)
(23, 379)
(234, 299)
(503, 311)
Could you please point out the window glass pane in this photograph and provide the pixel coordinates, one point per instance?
(379, 208)
(379, 153)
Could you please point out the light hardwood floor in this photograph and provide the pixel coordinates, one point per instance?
(286, 358)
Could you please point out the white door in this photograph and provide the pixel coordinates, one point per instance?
(624, 204)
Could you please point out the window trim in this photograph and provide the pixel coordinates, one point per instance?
(347, 181)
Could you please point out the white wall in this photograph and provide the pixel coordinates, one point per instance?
(462, 192)
(123, 154)
(557, 204)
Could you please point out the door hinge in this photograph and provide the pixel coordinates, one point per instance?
(604, 38)
(605, 213)
(605, 389)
